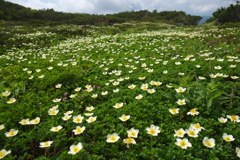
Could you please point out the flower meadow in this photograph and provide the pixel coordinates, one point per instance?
(164, 94)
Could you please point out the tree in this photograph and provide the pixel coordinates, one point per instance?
(229, 14)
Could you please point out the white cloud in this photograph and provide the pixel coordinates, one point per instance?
(203, 8)
(195, 7)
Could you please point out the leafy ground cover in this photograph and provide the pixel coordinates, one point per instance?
(160, 94)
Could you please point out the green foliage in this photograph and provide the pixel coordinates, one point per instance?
(55, 73)
(11, 11)
(229, 14)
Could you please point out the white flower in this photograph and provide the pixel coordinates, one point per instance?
(234, 77)
(129, 140)
(141, 78)
(198, 66)
(78, 119)
(192, 132)
(132, 86)
(56, 129)
(91, 108)
(174, 110)
(118, 105)
(11, 100)
(193, 112)
(222, 120)
(181, 102)
(124, 117)
(2, 126)
(208, 142)
(196, 126)
(227, 137)
(11, 133)
(25, 121)
(91, 119)
(116, 90)
(139, 97)
(38, 70)
(41, 76)
(79, 130)
(183, 143)
(133, 133)
(153, 130)
(165, 72)
(179, 133)
(75, 148)
(66, 117)
(3, 153)
(217, 67)
(233, 118)
(73, 96)
(213, 76)
(104, 93)
(180, 90)
(6, 93)
(111, 138)
(56, 100)
(238, 151)
(58, 85)
(158, 83)
(35, 121)
(94, 95)
(144, 86)
(201, 78)
(151, 91)
(45, 144)
(88, 114)
(77, 89)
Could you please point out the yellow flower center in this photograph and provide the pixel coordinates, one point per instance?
(193, 110)
(75, 149)
(207, 143)
(2, 154)
(124, 118)
(12, 133)
(79, 130)
(227, 138)
(132, 133)
(78, 119)
(196, 126)
(112, 138)
(128, 140)
(234, 118)
(174, 110)
(182, 143)
(11, 100)
(192, 133)
(180, 133)
(152, 131)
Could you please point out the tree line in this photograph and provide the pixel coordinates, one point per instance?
(12, 11)
(227, 14)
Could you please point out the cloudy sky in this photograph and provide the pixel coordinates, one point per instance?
(194, 7)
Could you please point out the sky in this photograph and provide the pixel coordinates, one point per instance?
(193, 7)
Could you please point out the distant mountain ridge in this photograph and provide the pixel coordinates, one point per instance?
(204, 19)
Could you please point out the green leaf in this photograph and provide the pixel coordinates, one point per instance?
(233, 112)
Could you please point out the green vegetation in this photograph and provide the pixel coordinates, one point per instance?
(136, 78)
(146, 90)
(11, 11)
(227, 15)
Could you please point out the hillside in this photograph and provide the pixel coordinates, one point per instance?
(15, 12)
